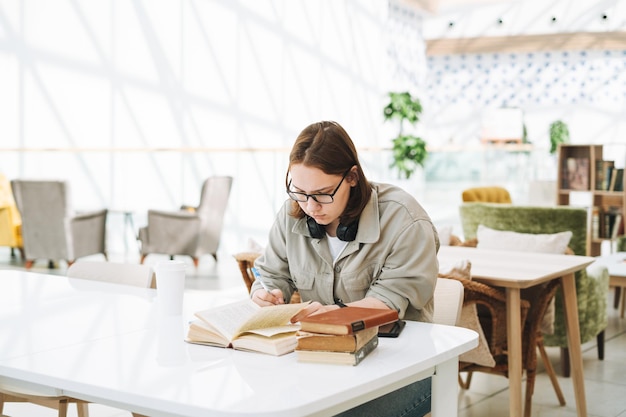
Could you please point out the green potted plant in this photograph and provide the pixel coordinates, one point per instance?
(409, 151)
(559, 133)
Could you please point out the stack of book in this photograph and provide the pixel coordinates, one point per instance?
(342, 336)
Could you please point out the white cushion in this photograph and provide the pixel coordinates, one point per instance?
(523, 242)
(526, 242)
(444, 233)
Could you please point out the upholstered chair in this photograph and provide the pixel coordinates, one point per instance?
(191, 231)
(493, 194)
(592, 283)
(51, 229)
(10, 219)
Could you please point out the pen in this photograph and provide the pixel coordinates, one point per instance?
(257, 276)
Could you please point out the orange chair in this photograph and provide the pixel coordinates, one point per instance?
(10, 219)
(492, 194)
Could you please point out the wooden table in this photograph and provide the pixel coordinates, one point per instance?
(616, 264)
(106, 343)
(515, 271)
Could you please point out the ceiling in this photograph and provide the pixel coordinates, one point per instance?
(474, 26)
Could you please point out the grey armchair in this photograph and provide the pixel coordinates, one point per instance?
(191, 231)
(51, 229)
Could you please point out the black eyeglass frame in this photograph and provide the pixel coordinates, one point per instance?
(295, 194)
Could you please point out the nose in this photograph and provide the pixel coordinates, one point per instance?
(311, 205)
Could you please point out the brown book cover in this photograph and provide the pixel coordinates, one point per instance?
(347, 320)
(342, 358)
(334, 342)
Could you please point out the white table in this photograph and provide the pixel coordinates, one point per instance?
(616, 264)
(514, 271)
(111, 347)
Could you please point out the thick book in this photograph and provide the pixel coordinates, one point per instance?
(347, 320)
(244, 325)
(335, 342)
(342, 358)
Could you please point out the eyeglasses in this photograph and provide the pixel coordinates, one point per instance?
(319, 198)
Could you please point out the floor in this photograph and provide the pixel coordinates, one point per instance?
(605, 381)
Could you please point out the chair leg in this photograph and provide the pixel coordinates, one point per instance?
(530, 389)
(466, 384)
(550, 372)
(196, 261)
(600, 341)
(29, 263)
(565, 362)
(618, 291)
(13, 254)
(143, 258)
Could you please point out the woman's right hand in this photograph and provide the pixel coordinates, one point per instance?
(265, 298)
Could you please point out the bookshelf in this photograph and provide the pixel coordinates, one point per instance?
(584, 168)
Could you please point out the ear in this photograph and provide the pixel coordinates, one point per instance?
(353, 177)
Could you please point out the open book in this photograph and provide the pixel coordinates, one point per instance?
(244, 325)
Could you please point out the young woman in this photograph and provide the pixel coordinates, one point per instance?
(342, 240)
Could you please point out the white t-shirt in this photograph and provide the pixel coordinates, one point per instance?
(336, 246)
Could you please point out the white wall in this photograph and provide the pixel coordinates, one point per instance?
(109, 84)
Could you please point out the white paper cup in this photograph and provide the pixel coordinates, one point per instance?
(170, 282)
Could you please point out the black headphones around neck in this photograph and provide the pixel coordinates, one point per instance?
(347, 233)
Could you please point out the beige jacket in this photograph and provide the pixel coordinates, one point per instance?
(393, 258)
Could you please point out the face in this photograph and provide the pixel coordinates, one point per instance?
(311, 180)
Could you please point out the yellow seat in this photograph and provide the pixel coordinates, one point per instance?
(10, 219)
(492, 194)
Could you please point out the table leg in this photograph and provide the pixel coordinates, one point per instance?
(570, 305)
(442, 403)
(514, 340)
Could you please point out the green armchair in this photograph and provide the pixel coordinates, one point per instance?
(592, 284)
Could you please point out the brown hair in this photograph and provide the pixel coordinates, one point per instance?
(326, 145)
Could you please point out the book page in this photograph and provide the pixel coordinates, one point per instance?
(278, 315)
(235, 318)
(228, 318)
(272, 331)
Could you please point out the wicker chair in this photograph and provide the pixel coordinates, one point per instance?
(491, 306)
(245, 260)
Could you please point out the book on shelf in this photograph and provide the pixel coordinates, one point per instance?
(603, 174)
(595, 223)
(617, 180)
(344, 358)
(616, 226)
(333, 342)
(576, 174)
(244, 325)
(347, 320)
